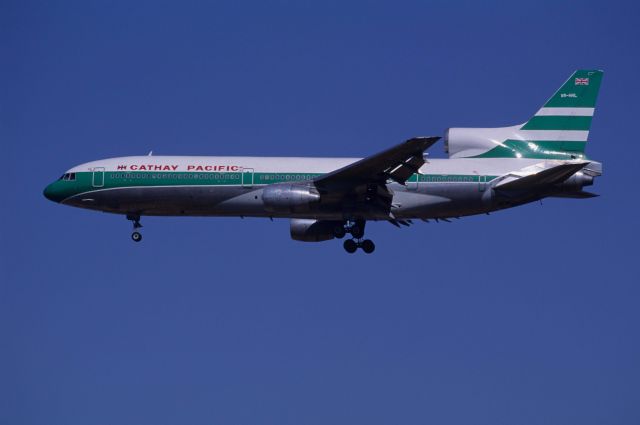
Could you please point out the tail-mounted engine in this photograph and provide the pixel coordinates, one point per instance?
(582, 178)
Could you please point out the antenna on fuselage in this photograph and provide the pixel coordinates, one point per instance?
(150, 153)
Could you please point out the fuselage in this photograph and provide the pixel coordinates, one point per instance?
(325, 198)
(233, 186)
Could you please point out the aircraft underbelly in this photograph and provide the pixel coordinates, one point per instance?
(175, 200)
(440, 200)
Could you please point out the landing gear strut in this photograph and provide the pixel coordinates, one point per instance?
(356, 229)
(136, 236)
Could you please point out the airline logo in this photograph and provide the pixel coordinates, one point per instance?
(173, 167)
(582, 82)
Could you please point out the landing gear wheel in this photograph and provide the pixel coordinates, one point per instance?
(136, 236)
(350, 246)
(339, 232)
(368, 246)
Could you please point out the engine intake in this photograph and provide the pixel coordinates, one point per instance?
(289, 198)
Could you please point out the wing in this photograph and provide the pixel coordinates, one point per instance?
(397, 163)
(360, 190)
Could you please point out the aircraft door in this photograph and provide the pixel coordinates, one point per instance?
(482, 183)
(98, 177)
(247, 177)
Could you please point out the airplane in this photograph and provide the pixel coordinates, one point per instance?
(488, 169)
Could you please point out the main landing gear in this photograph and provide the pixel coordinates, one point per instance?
(136, 236)
(356, 229)
(352, 245)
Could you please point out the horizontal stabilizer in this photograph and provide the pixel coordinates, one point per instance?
(548, 177)
(577, 195)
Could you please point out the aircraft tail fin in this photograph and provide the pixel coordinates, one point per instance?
(559, 130)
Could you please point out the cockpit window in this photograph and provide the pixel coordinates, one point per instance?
(68, 176)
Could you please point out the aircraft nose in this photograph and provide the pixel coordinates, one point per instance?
(51, 193)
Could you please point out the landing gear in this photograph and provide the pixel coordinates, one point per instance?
(356, 229)
(350, 246)
(135, 236)
(368, 246)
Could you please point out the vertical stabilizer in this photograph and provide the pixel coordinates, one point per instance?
(559, 130)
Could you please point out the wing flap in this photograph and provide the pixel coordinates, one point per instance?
(405, 170)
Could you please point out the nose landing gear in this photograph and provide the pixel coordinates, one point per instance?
(136, 236)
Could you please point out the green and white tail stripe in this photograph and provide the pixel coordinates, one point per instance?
(560, 129)
(571, 107)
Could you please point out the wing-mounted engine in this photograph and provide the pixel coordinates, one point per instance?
(308, 230)
(290, 197)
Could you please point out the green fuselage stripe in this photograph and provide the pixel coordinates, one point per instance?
(536, 149)
(89, 181)
(141, 178)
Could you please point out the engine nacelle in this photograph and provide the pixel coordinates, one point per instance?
(309, 230)
(577, 181)
(289, 198)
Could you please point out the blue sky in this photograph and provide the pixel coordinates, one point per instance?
(526, 316)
